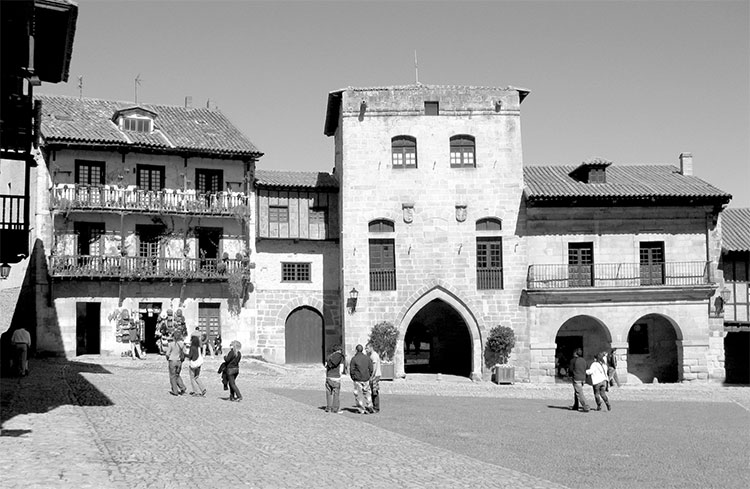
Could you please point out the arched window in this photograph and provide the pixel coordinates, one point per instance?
(489, 224)
(404, 152)
(462, 151)
(381, 226)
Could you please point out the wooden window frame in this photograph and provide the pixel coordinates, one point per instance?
(381, 226)
(150, 169)
(404, 152)
(490, 263)
(296, 272)
(89, 165)
(463, 148)
(382, 278)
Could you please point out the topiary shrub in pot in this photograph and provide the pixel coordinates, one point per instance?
(500, 343)
(384, 337)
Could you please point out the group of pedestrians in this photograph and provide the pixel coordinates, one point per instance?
(603, 375)
(176, 353)
(365, 372)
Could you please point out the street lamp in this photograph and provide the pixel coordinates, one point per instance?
(351, 302)
(4, 271)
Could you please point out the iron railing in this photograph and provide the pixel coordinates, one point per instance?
(383, 279)
(562, 276)
(138, 267)
(112, 197)
(489, 278)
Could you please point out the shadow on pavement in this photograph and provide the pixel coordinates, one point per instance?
(51, 383)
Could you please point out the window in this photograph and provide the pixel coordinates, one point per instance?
(580, 264)
(278, 214)
(489, 224)
(597, 175)
(382, 264)
(489, 263)
(404, 152)
(431, 108)
(208, 181)
(89, 237)
(89, 172)
(295, 272)
(317, 218)
(148, 240)
(462, 151)
(149, 177)
(381, 226)
(136, 124)
(652, 262)
(638, 339)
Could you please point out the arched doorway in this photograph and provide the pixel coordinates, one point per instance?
(304, 336)
(583, 332)
(653, 351)
(438, 340)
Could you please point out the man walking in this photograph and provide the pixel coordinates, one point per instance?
(333, 379)
(360, 370)
(612, 368)
(578, 374)
(21, 341)
(375, 379)
(135, 340)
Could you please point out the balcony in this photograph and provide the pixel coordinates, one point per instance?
(140, 268)
(73, 197)
(383, 279)
(607, 282)
(489, 278)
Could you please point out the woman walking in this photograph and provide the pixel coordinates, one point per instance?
(195, 363)
(232, 360)
(599, 381)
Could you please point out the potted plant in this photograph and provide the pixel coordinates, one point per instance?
(500, 342)
(383, 337)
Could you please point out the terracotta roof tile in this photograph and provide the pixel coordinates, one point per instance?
(735, 229)
(275, 178)
(634, 182)
(89, 121)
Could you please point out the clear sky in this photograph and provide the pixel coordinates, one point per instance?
(629, 81)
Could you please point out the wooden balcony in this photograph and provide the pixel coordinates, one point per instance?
(13, 212)
(103, 198)
(383, 279)
(606, 282)
(142, 268)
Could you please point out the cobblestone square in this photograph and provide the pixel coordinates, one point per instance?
(110, 422)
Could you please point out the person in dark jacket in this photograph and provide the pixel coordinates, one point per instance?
(360, 370)
(578, 376)
(232, 359)
(612, 368)
(333, 379)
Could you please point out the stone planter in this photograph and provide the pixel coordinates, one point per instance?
(387, 371)
(503, 374)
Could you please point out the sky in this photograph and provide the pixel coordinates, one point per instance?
(634, 82)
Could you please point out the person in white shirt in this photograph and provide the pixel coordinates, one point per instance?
(599, 381)
(21, 340)
(375, 379)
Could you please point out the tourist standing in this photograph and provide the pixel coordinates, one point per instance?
(577, 372)
(135, 339)
(175, 356)
(21, 341)
(612, 368)
(360, 370)
(599, 381)
(232, 359)
(333, 378)
(375, 379)
(194, 364)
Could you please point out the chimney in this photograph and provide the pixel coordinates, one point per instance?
(686, 164)
(188, 102)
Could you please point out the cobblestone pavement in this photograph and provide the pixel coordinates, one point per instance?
(110, 422)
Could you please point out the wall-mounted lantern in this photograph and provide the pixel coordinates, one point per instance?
(4, 271)
(351, 301)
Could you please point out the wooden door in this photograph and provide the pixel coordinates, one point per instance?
(580, 264)
(652, 262)
(88, 328)
(304, 336)
(209, 320)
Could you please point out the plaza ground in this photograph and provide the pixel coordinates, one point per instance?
(110, 422)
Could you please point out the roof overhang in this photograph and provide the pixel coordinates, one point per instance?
(55, 26)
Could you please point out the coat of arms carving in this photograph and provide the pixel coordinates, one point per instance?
(408, 213)
(460, 213)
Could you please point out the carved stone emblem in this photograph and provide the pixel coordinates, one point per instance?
(460, 213)
(408, 212)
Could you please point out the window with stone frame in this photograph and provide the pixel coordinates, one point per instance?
(462, 151)
(382, 255)
(404, 152)
(295, 272)
(489, 262)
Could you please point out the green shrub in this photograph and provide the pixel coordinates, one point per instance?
(383, 337)
(500, 342)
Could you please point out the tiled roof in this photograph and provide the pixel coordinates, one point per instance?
(624, 182)
(423, 86)
(297, 179)
(735, 229)
(88, 121)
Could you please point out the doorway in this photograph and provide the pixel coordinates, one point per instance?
(88, 328)
(303, 335)
(149, 317)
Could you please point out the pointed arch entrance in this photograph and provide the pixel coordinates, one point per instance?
(654, 349)
(447, 334)
(585, 332)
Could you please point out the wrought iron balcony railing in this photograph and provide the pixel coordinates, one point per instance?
(383, 279)
(114, 198)
(137, 267)
(563, 276)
